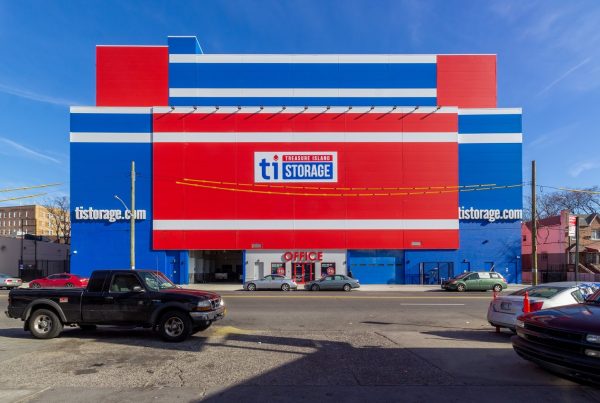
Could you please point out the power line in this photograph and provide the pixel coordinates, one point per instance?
(29, 187)
(344, 194)
(23, 197)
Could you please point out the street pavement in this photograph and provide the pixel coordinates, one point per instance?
(298, 346)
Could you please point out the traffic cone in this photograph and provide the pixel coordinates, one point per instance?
(526, 308)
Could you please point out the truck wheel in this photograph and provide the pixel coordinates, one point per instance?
(45, 324)
(201, 327)
(175, 326)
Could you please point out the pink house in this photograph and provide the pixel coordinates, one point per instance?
(556, 250)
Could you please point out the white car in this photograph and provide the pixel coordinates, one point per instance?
(504, 310)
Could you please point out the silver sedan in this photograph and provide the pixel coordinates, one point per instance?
(7, 281)
(337, 282)
(271, 282)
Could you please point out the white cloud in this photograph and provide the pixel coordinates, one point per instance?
(26, 94)
(26, 151)
(564, 75)
(578, 168)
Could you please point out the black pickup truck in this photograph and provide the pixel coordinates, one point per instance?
(142, 298)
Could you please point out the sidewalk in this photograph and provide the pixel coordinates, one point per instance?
(363, 287)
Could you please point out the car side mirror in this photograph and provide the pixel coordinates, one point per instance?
(137, 288)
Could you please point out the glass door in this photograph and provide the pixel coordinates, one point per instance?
(303, 272)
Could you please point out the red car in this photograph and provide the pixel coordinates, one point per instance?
(59, 280)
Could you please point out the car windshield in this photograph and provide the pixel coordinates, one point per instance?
(541, 291)
(156, 281)
(462, 275)
(594, 298)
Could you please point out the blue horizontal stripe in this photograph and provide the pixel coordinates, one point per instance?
(292, 101)
(111, 122)
(302, 75)
(489, 124)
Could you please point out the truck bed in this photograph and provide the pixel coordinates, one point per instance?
(69, 300)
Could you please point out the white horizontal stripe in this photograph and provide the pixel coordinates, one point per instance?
(356, 110)
(491, 111)
(302, 92)
(291, 58)
(304, 137)
(223, 225)
(111, 137)
(490, 138)
(110, 109)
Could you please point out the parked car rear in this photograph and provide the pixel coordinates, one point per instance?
(504, 310)
(8, 282)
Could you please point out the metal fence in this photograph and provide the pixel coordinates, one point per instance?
(41, 268)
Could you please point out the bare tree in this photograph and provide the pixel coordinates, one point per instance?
(60, 219)
(549, 204)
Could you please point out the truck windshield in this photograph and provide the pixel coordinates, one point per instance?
(156, 281)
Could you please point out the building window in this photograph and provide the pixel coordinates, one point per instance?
(524, 238)
(596, 235)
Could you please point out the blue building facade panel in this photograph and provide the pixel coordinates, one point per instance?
(101, 170)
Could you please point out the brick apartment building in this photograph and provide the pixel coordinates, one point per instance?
(32, 219)
(556, 249)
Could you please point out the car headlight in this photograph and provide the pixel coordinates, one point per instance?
(222, 303)
(204, 305)
(592, 353)
(520, 323)
(593, 338)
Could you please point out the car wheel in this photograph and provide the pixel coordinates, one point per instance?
(461, 287)
(69, 285)
(497, 288)
(202, 326)
(251, 287)
(45, 324)
(35, 285)
(315, 287)
(285, 287)
(347, 287)
(175, 326)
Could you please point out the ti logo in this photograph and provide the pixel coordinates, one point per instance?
(296, 166)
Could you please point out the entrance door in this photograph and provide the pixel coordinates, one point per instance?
(303, 272)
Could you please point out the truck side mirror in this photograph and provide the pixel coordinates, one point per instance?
(137, 288)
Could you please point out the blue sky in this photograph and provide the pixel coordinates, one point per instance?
(548, 63)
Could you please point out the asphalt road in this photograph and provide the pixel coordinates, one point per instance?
(297, 346)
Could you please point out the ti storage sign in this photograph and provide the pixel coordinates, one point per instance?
(490, 215)
(91, 214)
(295, 166)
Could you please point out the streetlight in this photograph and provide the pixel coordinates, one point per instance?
(132, 239)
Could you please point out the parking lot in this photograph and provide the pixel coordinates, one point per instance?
(297, 346)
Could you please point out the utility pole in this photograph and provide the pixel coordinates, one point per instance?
(576, 248)
(534, 267)
(132, 220)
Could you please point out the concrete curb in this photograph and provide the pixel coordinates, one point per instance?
(363, 288)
